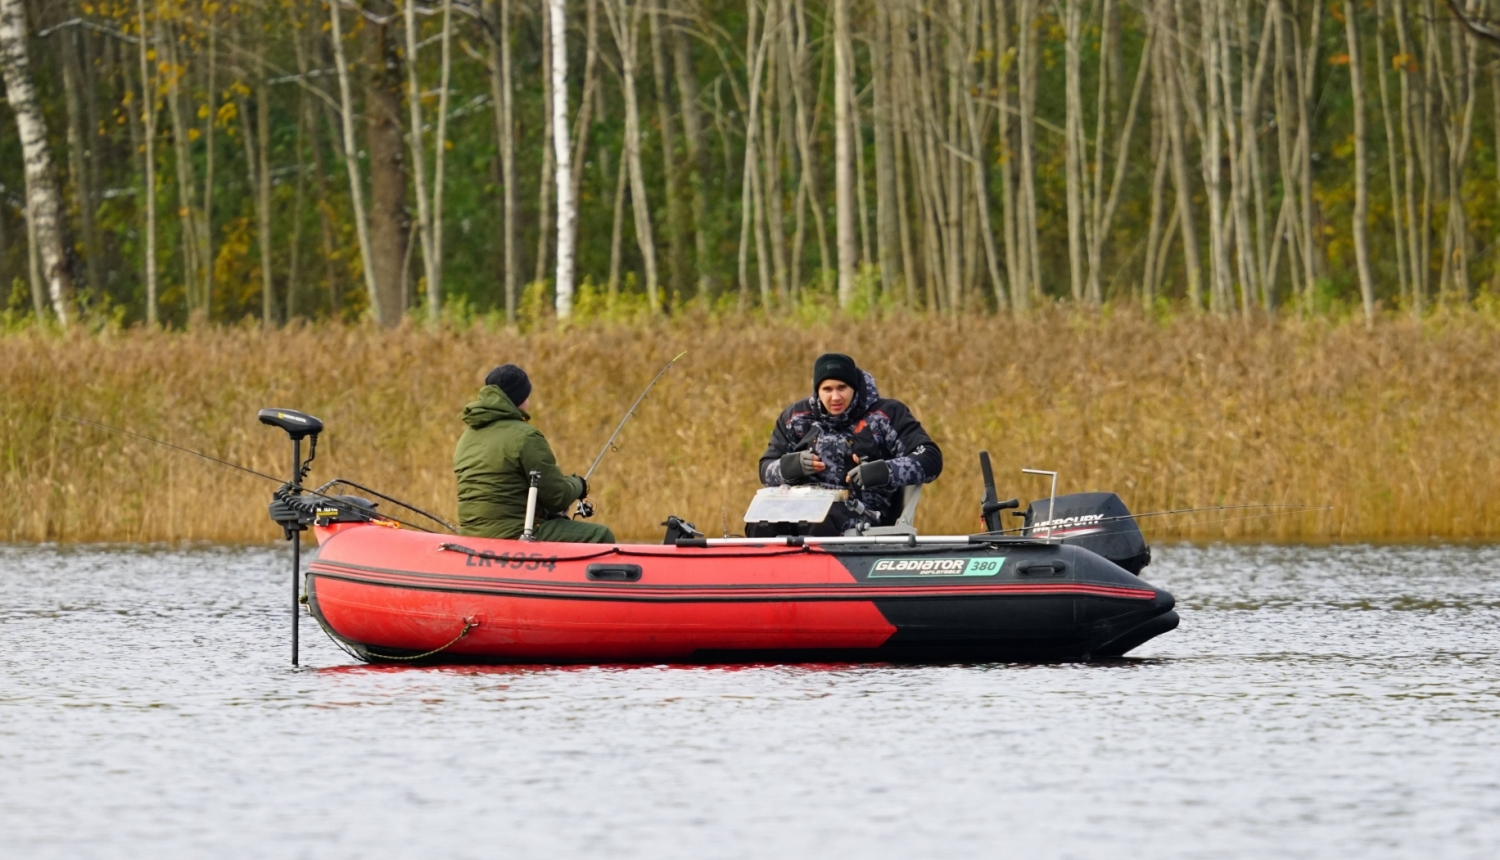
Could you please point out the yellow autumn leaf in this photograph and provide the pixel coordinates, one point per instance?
(194, 134)
(1338, 60)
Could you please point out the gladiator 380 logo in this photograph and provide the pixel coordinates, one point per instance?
(936, 567)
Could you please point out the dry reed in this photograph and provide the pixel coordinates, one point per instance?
(1393, 429)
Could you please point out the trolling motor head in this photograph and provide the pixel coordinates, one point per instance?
(289, 509)
(298, 425)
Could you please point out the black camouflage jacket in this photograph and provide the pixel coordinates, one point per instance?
(872, 427)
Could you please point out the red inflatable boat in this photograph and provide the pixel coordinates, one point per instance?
(1064, 589)
(390, 594)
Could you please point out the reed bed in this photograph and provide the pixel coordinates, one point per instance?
(1393, 429)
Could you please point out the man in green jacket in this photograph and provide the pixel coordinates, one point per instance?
(493, 459)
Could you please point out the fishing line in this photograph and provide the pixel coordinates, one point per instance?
(1200, 522)
(1232, 519)
(1018, 529)
(174, 447)
(332, 500)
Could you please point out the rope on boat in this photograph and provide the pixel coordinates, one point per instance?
(354, 649)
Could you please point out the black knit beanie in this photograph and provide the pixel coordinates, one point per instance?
(835, 365)
(513, 381)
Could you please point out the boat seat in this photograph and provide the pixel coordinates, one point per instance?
(906, 524)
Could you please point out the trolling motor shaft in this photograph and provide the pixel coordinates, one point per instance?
(289, 509)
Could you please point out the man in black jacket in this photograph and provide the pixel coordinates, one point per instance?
(846, 436)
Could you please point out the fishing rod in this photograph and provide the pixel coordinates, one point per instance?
(585, 509)
(316, 494)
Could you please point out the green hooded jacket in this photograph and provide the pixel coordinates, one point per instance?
(492, 460)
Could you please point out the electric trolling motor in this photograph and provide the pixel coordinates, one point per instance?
(289, 508)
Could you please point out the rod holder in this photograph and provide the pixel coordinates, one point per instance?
(1051, 500)
(536, 480)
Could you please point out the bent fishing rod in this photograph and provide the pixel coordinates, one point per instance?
(585, 508)
(318, 494)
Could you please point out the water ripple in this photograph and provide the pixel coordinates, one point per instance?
(1316, 702)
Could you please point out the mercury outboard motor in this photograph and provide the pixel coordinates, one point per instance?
(1098, 522)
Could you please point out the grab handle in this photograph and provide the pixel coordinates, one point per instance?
(614, 573)
(1043, 568)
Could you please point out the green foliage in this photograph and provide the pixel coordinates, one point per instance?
(306, 158)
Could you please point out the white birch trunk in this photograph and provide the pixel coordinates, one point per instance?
(351, 161)
(414, 142)
(1361, 171)
(43, 202)
(435, 282)
(148, 120)
(1073, 128)
(1213, 173)
(567, 212)
(843, 155)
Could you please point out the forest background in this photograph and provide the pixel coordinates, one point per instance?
(1201, 253)
(959, 155)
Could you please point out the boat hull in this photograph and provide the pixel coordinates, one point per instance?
(391, 595)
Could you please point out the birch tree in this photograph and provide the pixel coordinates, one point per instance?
(44, 209)
(148, 190)
(1361, 169)
(843, 152)
(567, 212)
(351, 160)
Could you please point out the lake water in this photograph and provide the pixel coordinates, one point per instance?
(1316, 702)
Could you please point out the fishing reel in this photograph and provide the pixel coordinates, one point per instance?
(585, 510)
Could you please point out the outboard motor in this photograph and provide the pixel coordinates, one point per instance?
(1098, 522)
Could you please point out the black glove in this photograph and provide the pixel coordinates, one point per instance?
(585, 482)
(870, 474)
(797, 466)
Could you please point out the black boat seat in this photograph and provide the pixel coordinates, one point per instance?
(906, 524)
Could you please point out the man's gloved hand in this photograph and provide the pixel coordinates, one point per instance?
(585, 482)
(870, 474)
(799, 466)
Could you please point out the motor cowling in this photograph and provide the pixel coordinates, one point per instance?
(1098, 522)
